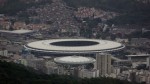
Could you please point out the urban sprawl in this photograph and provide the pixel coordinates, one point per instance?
(58, 21)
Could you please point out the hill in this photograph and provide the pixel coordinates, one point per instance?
(132, 11)
(11, 73)
(12, 7)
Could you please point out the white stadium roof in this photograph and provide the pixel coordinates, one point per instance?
(21, 31)
(100, 46)
(74, 60)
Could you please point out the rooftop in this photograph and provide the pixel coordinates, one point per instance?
(21, 31)
(74, 60)
(74, 45)
(139, 55)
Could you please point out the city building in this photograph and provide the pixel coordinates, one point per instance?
(78, 47)
(16, 35)
(70, 65)
(139, 59)
(103, 63)
(121, 63)
(84, 73)
(4, 52)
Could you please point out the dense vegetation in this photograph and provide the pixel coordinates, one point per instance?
(11, 73)
(132, 12)
(11, 7)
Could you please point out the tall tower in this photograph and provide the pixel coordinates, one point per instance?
(103, 63)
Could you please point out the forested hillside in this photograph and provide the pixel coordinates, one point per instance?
(132, 12)
(11, 7)
(11, 73)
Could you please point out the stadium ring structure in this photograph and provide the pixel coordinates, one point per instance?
(73, 46)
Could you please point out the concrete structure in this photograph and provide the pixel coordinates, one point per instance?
(103, 63)
(84, 73)
(79, 47)
(73, 46)
(139, 59)
(70, 64)
(121, 63)
(139, 76)
(48, 67)
(74, 60)
(4, 53)
(16, 35)
(21, 31)
(51, 67)
(133, 57)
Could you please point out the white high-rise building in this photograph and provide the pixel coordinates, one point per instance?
(103, 63)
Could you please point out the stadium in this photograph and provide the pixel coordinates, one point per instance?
(73, 56)
(73, 46)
